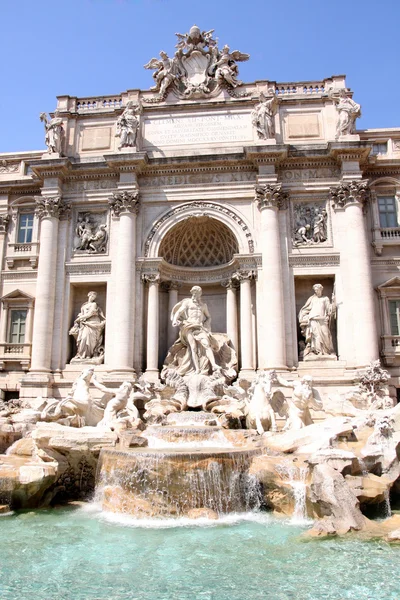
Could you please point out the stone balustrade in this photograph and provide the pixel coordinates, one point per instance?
(20, 353)
(102, 103)
(385, 236)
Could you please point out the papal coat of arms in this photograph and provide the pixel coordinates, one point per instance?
(198, 68)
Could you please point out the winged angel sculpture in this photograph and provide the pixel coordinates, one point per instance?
(198, 68)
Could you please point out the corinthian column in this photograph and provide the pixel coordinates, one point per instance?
(172, 301)
(153, 319)
(246, 323)
(270, 200)
(125, 206)
(352, 197)
(231, 312)
(48, 210)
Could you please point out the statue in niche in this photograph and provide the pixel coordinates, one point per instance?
(310, 224)
(263, 115)
(200, 362)
(88, 330)
(348, 112)
(90, 234)
(298, 406)
(315, 319)
(128, 125)
(54, 133)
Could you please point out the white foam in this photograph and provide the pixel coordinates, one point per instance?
(94, 509)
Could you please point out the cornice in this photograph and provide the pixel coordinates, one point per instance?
(308, 261)
(51, 167)
(126, 162)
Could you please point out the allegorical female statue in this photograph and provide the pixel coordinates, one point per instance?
(88, 330)
(315, 323)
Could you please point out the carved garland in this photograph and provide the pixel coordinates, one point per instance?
(203, 205)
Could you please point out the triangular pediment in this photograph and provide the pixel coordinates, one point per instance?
(394, 282)
(17, 295)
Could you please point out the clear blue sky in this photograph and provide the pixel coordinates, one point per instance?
(99, 47)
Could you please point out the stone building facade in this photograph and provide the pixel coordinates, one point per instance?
(256, 192)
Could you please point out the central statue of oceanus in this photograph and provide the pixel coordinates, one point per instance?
(199, 363)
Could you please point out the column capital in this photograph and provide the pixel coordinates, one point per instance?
(270, 195)
(352, 192)
(47, 207)
(244, 275)
(230, 284)
(124, 202)
(4, 221)
(150, 278)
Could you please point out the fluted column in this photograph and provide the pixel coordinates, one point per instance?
(48, 210)
(231, 312)
(352, 197)
(270, 199)
(246, 322)
(125, 206)
(153, 324)
(172, 332)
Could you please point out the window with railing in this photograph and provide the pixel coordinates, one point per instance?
(25, 228)
(387, 211)
(17, 326)
(394, 314)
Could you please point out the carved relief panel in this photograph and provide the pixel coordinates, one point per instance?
(310, 224)
(90, 233)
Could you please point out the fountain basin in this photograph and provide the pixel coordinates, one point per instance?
(196, 436)
(174, 482)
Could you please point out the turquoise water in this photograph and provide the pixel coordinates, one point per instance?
(81, 554)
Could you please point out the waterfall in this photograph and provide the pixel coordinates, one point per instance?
(187, 437)
(388, 508)
(296, 478)
(159, 483)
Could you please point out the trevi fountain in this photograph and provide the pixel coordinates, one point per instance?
(169, 440)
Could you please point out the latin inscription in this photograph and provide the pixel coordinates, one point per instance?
(85, 186)
(196, 178)
(307, 174)
(198, 130)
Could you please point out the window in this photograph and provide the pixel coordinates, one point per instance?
(394, 313)
(379, 148)
(25, 228)
(17, 326)
(387, 211)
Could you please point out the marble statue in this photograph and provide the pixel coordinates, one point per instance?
(348, 112)
(200, 361)
(263, 115)
(88, 331)
(77, 409)
(226, 69)
(232, 404)
(315, 322)
(198, 68)
(194, 321)
(91, 234)
(320, 231)
(121, 411)
(298, 406)
(165, 73)
(127, 126)
(263, 404)
(54, 133)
